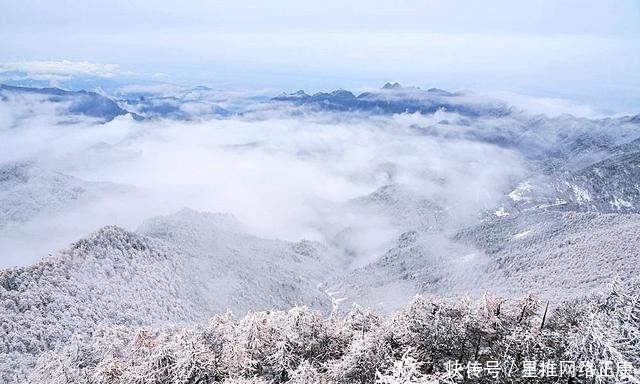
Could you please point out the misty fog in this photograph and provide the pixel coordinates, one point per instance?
(285, 173)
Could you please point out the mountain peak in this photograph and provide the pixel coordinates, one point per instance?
(77, 102)
(440, 92)
(395, 85)
(342, 93)
(300, 94)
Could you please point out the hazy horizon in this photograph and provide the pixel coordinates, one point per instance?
(587, 52)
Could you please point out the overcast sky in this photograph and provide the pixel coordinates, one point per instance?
(583, 50)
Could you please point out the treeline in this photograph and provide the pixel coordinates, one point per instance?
(430, 340)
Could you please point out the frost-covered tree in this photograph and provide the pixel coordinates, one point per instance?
(418, 344)
(609, 328)
(406, 370)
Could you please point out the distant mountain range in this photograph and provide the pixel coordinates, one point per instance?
(394, 98)
(74, 102)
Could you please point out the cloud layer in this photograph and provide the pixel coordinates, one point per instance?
(285, 173)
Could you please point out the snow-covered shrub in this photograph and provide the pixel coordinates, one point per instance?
(418, 344)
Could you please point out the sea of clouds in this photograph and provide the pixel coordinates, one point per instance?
(285, 172)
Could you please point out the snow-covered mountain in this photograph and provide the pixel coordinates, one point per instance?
(563, 141)
(188, 266)
(27, 190)
(561, 255)
(72, 103)
(394, 98)
(175, 270)
(607, 186)
(405, 207)
(428, 192)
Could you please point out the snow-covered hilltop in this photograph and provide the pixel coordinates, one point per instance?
(178, 269)
(27, 191)
(190, 266)
(81, 103)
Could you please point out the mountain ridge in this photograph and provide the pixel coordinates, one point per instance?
(80, 102)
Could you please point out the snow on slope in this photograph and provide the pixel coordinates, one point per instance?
(405, 207)
(562, 255)
(181, 268)
(608, 186)
(363, 228)
(244, 271)
(190, 265)
(27, 190)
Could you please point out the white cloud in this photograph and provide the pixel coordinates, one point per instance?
(62, 69)
(162, 88)
(285, 172)
(549, 106)
(284, 175)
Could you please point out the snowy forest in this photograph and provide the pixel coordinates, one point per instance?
(396, 236)
(334, 192)
(430, 340)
